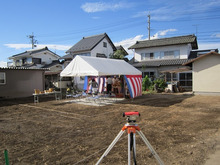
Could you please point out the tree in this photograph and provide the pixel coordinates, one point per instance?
(119, 54)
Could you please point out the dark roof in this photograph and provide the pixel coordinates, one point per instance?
(131, 61)
(121, 48)
(166, 42)
(204, 55)
(197, 53)
(54, 62)
(23, 68)
(157, 63)
(88, 43)
(33, 51)
(68, 57)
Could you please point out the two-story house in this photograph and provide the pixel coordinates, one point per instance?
(34, 58)
(164, 57)
(94, 46)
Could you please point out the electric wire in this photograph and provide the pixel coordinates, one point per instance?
(129, 23)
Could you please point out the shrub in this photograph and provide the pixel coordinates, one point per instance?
(160, 83)
(146, 83)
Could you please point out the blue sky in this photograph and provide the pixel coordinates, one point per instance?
(59, 24)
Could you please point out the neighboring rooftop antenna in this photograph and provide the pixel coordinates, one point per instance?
(33, 40)
(196, 25)
(148, 26)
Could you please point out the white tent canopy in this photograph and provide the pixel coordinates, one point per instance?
(93, 66)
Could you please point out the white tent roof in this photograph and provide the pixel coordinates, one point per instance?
(93, 66)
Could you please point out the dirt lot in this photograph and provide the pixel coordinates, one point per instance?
(183, 129)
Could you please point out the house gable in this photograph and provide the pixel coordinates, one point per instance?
(103, 48)
(35, 56)
(33, 52)
(88, 44)
(205, 73)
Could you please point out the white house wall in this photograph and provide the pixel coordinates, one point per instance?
(46, 57)
(206, 75)
(102, 50)
(184, 51)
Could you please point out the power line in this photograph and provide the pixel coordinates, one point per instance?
(120, 25)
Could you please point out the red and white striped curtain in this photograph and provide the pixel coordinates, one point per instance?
(134, 83)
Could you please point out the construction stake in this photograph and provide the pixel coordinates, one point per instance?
(6, 157)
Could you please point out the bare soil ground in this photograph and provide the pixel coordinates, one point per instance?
(183, 129)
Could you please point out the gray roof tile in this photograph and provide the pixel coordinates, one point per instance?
(32, 51)
(166, 42)
(88, 43)
(157, 63)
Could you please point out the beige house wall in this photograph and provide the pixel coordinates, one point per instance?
(206, 74)
(21, 83)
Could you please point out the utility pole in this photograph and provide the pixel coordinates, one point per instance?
(33, 40)
(148, 26)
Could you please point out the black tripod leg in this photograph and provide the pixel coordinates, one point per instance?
(134, 148)
(131, 141)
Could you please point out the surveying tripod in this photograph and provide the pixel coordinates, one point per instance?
(131, 128)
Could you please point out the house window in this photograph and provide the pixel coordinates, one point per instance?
(2, 78)
(185, 79)
(161, 55)
(177, 54)
(168, 54)
(105, 44)
(147, 56)
(143, 57)
(85, 54)
(148, 74)
(36, 60)
(18, 62)
(169, 77)
(157, 55)
(151, 56)
(29, 60)
(171, 54)
(24, 61)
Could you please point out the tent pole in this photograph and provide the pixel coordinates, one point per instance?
(98, 83)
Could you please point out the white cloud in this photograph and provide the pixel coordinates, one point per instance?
(28, 46)
(126, 43)
(18, 46)
(3, 64)
(162, 33)
(102, 6)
